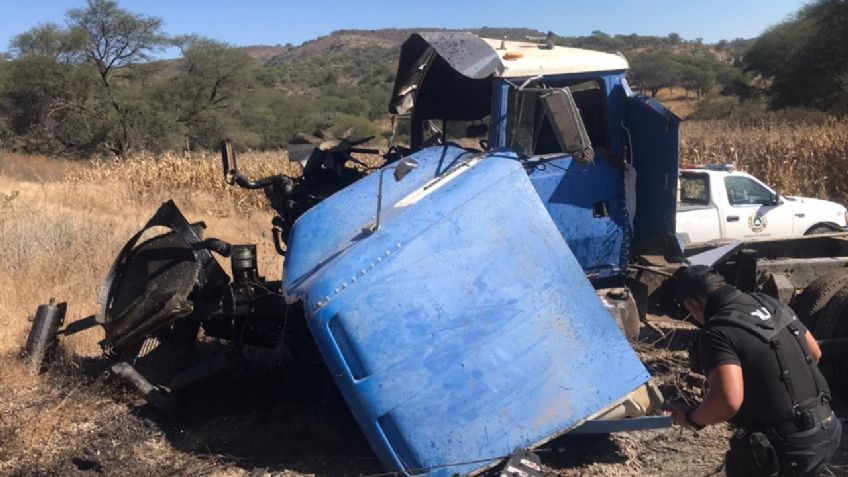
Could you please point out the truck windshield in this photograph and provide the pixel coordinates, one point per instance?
(745, 191)
(528, 130)
(467, 134)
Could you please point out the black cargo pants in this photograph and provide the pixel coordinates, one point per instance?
(799, 454)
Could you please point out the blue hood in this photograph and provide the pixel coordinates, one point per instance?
(464, 327)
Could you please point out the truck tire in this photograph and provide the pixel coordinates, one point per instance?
(833, 323)
(839, 369)
(809, 304)
(831, 315)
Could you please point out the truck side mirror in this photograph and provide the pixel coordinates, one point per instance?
(774, 199)
(568, 127)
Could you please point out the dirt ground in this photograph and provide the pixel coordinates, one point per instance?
(77, 421)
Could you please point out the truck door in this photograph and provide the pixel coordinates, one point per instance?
(752, 212)
(652, 136)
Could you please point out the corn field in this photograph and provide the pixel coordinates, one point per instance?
(807, 157)
(801, 157)
(145, 174)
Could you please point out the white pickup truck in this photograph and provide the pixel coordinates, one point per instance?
(718, 202)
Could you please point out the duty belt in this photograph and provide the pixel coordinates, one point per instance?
(819, 414)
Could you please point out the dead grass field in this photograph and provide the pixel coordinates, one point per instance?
(797, 158)
(62, 223)
(679, 101)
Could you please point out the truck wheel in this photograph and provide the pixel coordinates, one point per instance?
(839, 369)
(809, 304)
(833, 323)
(831, 315)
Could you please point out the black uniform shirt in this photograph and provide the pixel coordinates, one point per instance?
(766, 402)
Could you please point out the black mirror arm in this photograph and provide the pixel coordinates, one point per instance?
(283, 182)
(232, 174)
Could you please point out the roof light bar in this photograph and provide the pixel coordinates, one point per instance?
(710, 167)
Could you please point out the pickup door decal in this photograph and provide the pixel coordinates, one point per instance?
(757, 223)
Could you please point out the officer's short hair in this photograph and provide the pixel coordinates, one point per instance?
(696, 281)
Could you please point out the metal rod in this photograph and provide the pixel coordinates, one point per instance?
(379, 200)
(152, 394)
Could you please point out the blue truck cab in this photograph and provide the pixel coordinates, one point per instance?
(457, 295)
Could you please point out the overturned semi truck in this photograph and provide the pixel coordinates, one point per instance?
(473, 296)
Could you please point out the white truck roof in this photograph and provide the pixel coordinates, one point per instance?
(521, 59)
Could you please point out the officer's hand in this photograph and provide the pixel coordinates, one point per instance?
(679, 418)
(677, 412)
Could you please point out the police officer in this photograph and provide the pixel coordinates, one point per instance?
(762, 375)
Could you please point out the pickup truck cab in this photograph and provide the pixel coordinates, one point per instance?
(718, 202)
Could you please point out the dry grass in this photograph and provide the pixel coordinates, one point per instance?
(681, 102)
(144, 176)
(62, 223)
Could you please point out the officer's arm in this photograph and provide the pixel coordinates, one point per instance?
(724, 397)
(814, 346)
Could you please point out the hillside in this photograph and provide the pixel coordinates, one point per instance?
(261, 95)
(390, 38)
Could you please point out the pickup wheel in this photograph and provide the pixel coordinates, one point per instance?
(810, 303)
(820, 229)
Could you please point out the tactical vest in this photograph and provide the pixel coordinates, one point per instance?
(766, 323)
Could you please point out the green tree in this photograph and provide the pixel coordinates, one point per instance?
(116, 41)
(213, 80)
(6, 133)
(51, 41)
(51, 96)
(654, 70)
(805, 58)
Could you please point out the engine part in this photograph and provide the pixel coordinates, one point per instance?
(42, 340)
(244, 264)
(159, 281)
(155, 396)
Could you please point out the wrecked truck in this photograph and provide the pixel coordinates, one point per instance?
(467, 299)
(472, 297)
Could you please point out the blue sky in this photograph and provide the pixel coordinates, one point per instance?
(251, 22)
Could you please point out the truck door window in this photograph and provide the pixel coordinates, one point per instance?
(746, 191)
(694, 189)
(528, 130)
